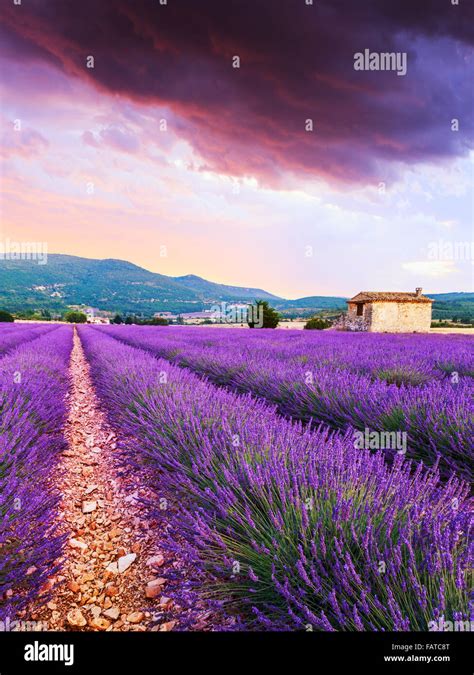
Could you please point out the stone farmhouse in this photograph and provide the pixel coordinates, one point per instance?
(388, 313)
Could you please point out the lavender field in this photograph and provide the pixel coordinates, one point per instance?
(286, 480)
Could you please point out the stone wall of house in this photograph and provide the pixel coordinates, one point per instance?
(400, 317)
(351, 321)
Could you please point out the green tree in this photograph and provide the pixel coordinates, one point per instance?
(316, 323)
(117, 319)
(263, 316)
(158, 321)
(75, 317)
(6, 316)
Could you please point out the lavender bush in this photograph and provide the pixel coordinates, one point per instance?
(33, 386)
(298, 528)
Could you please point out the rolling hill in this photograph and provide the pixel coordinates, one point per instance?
(453, 305)
(113, 285)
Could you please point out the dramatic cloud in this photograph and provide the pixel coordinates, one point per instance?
(296, 64)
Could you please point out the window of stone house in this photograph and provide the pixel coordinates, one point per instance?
(360, 309)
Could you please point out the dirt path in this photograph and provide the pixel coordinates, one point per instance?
(110, 575)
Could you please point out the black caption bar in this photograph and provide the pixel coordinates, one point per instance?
(87, 653)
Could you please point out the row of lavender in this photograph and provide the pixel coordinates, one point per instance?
(304, 378)
(399, 359)
(297, 527)
(14, 334)
(33, 387)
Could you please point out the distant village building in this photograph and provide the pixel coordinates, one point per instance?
(94, 315)
(196, 317)
(91, 312)
(388, 313)
(99, 320)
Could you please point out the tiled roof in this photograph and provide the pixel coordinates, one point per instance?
(371, 296)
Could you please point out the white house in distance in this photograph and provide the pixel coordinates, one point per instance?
(94, 315)
(388, 312)
(91, 313)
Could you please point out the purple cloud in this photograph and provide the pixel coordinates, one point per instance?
(296, 64)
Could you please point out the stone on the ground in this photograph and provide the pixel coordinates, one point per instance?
(88, 576)
(112, 613)
(88, 507)
(100, 623)
(115, 532)
(135, 617)
(77, 543)
(154, 588)
(75, 618)
(125, 561)
(152, 592)
(73, 586)
(155, 561)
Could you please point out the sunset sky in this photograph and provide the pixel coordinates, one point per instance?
(235, 188)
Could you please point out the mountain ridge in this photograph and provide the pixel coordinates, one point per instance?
(109, 284)
(198, 284)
